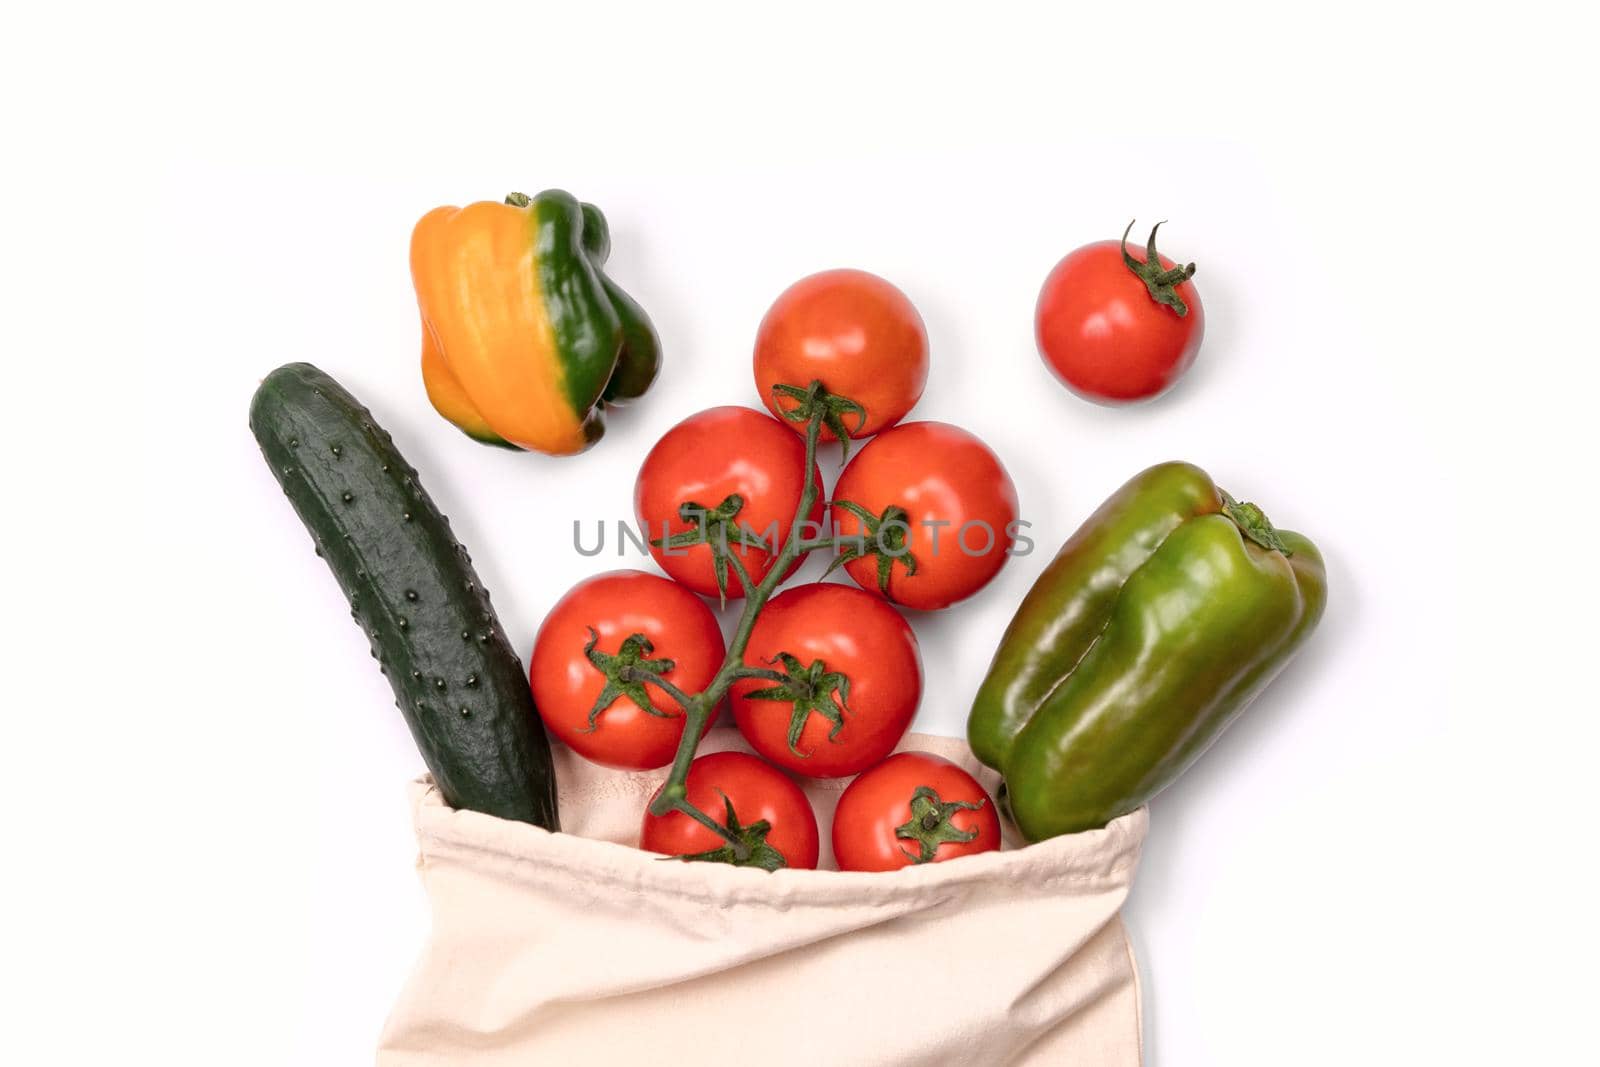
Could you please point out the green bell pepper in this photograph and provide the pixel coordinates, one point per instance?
(1154, 626)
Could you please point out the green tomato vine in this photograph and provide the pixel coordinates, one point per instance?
(716, 528)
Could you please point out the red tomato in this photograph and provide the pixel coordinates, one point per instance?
(856, 681)
(756, 792)
(1103, 333)
(708, 459)
(855, 333)
(607, 610)
(953, 525)
(914, 807)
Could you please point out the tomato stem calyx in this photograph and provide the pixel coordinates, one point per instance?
(746, 845)
(930, 824)
(810, 690)
(626, 674)
(816, 402)
(1161, 283)
(715, 528)
(883, 537)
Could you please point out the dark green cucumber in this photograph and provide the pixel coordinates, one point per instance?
(412, 588)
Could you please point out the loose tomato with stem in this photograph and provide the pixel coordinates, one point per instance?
(728, 476)
(758, 817)
(601, 660)
(832, 679)
(913, 808)
(1116, 328)
(925, 515)
(855, 333)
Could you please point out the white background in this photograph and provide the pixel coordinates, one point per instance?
(1386, 861)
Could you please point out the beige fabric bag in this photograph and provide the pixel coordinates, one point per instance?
(578, 948)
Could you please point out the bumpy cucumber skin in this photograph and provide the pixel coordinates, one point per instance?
(413, 591)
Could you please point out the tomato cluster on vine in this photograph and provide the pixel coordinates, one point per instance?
(823, 679)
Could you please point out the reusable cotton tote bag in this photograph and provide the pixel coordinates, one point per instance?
(577, 948)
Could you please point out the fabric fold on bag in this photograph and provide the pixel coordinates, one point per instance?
(577, 947)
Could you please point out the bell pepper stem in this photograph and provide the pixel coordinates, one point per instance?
(1254, 524)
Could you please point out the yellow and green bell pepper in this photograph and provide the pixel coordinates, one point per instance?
(525, 340)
